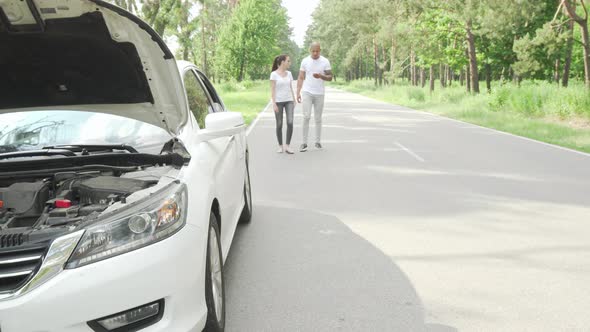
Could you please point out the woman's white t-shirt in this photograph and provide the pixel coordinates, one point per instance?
(282, 87)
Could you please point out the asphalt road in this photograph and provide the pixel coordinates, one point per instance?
(407, 221)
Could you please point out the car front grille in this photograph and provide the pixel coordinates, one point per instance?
(18, 265)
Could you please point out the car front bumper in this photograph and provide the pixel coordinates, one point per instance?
(172, 269)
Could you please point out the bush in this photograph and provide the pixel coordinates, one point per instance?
(453, 95)
(499, 98)
(531, 99)
(230, 86)
(416, 93)
(248, 84)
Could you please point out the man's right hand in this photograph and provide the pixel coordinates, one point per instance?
(299, 98)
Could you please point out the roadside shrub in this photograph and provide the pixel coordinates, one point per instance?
(229, 86)
(453, 95)
(499, 98)
(528, 99)
(363, 85)
(247, 84)
(416, 93)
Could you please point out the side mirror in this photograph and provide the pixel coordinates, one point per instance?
(221, 124)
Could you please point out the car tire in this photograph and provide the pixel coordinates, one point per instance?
(246, 215)
(214, 284)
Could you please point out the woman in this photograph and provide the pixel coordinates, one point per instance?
(283, 99)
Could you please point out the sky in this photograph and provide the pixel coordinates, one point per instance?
(299, 12)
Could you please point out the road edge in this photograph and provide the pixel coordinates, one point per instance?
(253, 123)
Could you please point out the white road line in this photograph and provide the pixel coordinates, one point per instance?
(251, 126)
(410, 152)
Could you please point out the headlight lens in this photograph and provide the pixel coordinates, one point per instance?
(141, 224)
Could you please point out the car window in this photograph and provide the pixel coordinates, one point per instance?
(198, 101)
(214, 97)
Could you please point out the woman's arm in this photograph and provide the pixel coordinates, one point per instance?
(273, 93)
(291, 86)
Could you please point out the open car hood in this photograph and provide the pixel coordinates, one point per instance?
(87, 55)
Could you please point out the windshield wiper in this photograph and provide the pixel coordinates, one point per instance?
(37, 153)
(8, 148)
(86, 148)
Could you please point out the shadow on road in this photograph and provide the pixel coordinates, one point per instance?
(298, 270)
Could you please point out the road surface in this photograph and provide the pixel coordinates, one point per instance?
(407, 221)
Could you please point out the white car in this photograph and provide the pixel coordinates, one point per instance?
(122, 176)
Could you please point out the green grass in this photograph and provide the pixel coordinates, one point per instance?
(246, 97)
(536, 110)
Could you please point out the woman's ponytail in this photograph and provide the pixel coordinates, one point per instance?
(278, 61)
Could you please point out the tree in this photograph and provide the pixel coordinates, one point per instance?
(582, 21)
(249, 40)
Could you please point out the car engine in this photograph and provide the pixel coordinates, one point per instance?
(33, 208)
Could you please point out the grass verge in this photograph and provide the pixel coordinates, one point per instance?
(248, 98)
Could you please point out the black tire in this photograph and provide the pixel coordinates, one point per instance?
(246, 215)
(214, 322)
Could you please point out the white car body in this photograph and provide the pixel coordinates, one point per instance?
(173, 269)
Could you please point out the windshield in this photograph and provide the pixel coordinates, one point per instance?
(34, 130)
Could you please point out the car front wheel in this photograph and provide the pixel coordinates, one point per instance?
(214, 286)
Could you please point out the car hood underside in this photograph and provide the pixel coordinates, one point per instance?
(86, 55)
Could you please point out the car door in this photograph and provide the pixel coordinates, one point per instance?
(238, 146)
(221, 151)
(220, 107)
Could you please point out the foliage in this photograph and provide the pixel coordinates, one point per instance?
(396, 39)
(249, 40)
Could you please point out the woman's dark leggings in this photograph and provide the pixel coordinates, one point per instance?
(288, 107)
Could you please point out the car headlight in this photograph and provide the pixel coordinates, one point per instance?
(141, 224)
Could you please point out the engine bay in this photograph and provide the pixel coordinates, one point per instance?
(67, 198)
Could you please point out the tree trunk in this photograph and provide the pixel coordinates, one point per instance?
(242, 65)
(468, 79)
(431, 78)
(375, 65)
(368, 63)
(556, 71)
(232, 3)
(450, 75)
(413, 68)
(461, 77)
(382, 67)
(568, 54)
(204, 39)
(583, 23)
(441, 75)
(586, 41)
(392, 64)
(360, 69)
(467, 74)
(515, 77)
(472, 58)
(489, 77)
(422, 77)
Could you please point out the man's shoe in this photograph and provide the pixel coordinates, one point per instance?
(318, 146)
(303, 147)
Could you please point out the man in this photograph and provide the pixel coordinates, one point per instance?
(315, 69)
